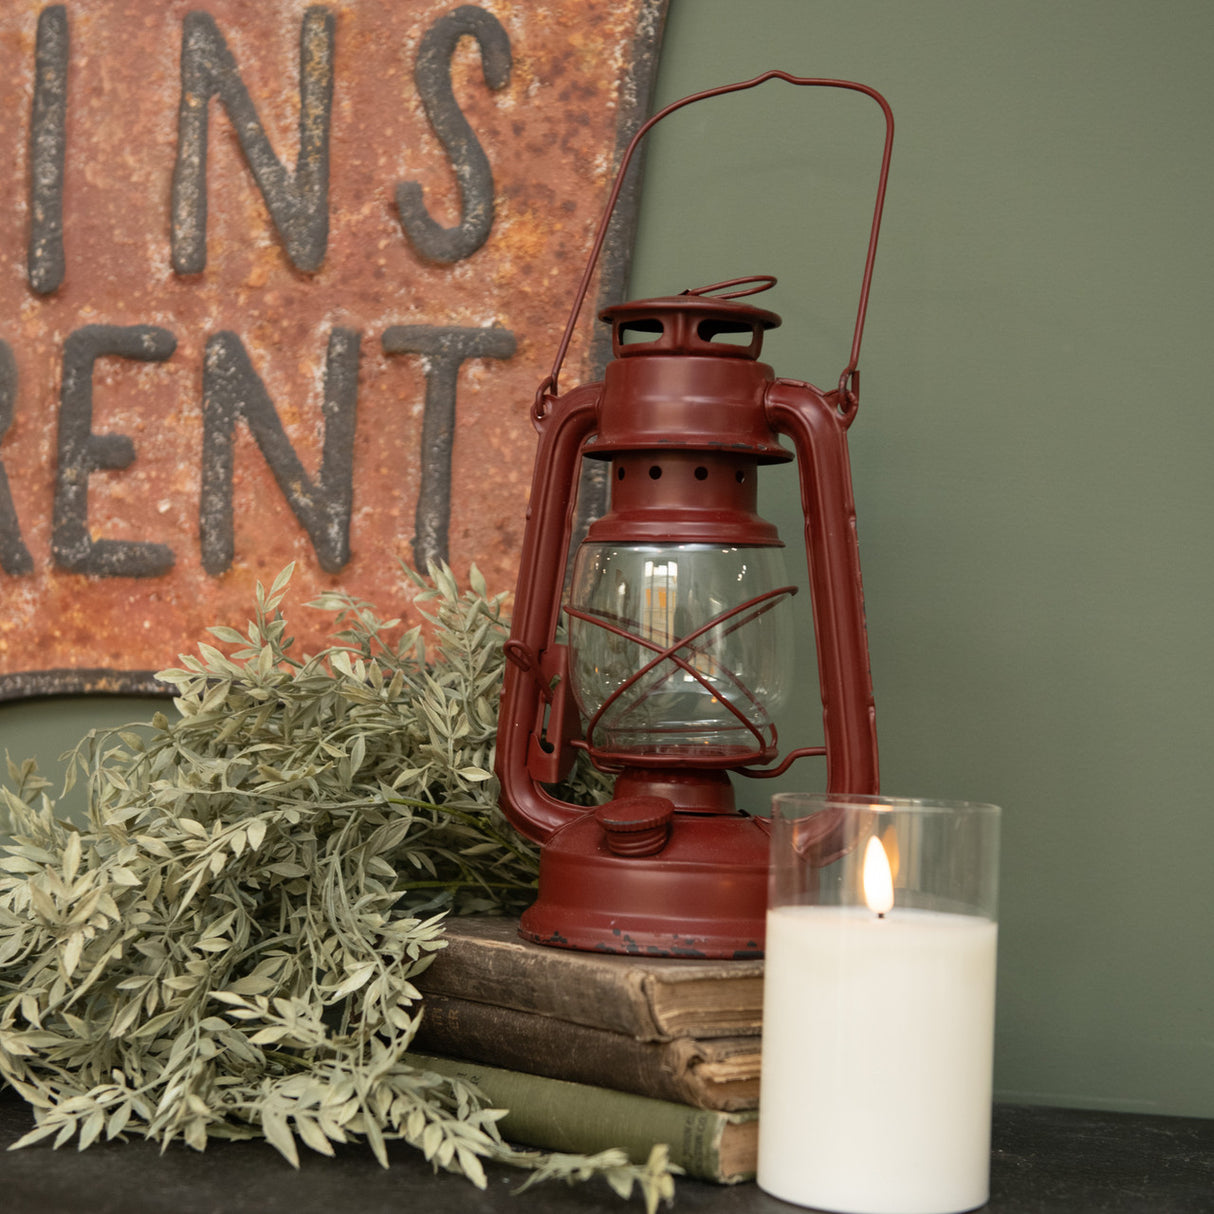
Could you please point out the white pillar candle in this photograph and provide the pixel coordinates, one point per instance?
(877, 1059)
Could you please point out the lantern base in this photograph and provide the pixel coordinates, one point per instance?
(703, 895)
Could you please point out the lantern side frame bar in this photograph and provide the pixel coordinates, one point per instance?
(817, 424)
(535, 679)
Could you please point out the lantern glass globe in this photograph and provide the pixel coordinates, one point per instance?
(678, 648)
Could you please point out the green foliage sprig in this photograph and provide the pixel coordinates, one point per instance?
(226, 948)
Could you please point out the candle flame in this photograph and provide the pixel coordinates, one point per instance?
(878, 879)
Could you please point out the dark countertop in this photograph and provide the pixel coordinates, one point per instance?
(1044, 1161)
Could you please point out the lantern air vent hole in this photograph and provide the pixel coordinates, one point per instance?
(619, 474)
(726, 332)
(701, 473)
(634, 332)
(655, 472)
(740, 475)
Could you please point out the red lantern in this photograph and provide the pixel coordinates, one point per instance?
(679, 616)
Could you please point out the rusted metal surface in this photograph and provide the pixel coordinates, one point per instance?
(278, 283)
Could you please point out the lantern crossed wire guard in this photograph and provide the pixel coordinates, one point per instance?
(670, 660)
(680, 618)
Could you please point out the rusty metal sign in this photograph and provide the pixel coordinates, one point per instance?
(277, 283)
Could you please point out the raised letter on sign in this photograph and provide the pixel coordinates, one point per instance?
(298, 202)
(432, 73)
(81, 452)
(232, 391)
(14, 556)
(44, 260)
(445, 349)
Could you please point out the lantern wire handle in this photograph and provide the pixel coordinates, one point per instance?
(754, 284)
(848, 390)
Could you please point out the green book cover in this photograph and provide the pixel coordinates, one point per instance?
(557, 1115)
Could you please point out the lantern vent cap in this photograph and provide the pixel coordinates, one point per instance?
(692, 323)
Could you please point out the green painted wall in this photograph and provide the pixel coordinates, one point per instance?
(1030, 458)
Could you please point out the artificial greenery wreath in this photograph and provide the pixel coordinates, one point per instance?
(225, 949)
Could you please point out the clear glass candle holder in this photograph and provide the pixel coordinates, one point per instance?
(879, 1004)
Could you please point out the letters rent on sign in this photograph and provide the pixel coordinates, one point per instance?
(279, 281)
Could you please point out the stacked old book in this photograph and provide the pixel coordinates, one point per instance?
(591, 1050)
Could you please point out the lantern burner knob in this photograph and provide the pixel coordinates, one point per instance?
(636, 826)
